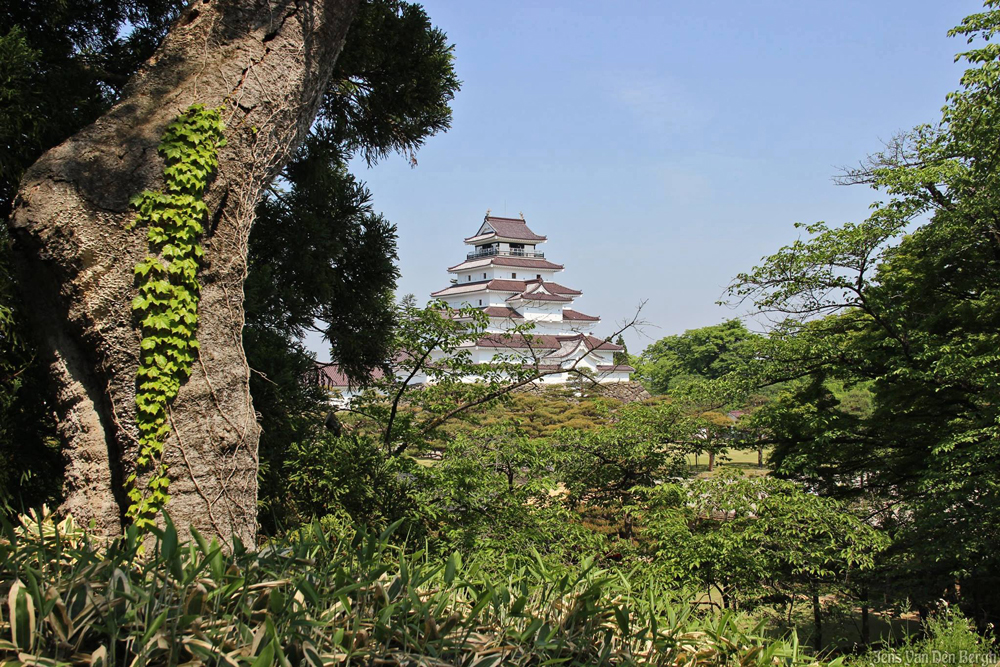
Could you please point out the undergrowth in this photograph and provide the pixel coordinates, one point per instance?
(334, 596)
(948, 638)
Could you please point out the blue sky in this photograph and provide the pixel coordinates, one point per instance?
(663, 147)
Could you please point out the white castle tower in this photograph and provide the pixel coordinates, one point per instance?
(506, 276)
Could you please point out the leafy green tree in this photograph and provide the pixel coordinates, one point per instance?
(770, 534)
(318, 255)
(325, 474)
(706, 353)
(320, 258)
(905, 304)
(30, 466)
(493, 493)
(755, 540)
(543, 411)
(62, 64)
(604, 467)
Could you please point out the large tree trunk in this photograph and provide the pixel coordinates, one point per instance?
(267, 64)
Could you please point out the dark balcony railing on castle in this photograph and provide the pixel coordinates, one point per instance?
(514, 252)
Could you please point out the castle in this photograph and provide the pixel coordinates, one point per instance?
(510, 280)
(506, 276)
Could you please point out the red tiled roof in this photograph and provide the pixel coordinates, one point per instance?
(539, 290)
(539, 296)
(522, 262)
(506, 285)
(556, 288)
(497, 285)
(503, 311)
(520, 341)
(570, 314)
(331, 376)
(616, 367)
(462, 288)
(544, 341)
(594, 343)
(508, 228)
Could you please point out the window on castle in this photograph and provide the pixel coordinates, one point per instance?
(538, 276)
(480, 302)
(468, 278)
(484, 276)
(513, 275)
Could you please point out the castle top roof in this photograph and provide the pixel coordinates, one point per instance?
(494, 227)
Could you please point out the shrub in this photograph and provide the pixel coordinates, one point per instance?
(329, 598)
(948, 639)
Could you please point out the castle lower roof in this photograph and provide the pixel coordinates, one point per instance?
(332, 376)
(570, 314)
(519, 262)
(498, 285)
(502, 311)
(538, 296)
(544, 341)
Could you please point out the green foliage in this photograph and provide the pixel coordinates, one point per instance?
(622, 356)
(905, 304)
(168, 293)
(751, 540)
(639, 448)
(433, 345)
(62, 64)
(290, 408)
(320, 258)
(325, 473)
(698, 354)
(542, 411)
(392, 86)
(495, 493)
(948, 638)
(336, 597)
(30, 465)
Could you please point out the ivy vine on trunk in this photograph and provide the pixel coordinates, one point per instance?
(168, 292)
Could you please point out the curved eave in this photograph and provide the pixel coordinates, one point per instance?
(540, 297)
(519, 262)
(571, 315)
(493, 237)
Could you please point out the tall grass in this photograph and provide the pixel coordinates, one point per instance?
(333, 597)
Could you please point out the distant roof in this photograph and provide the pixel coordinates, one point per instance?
(570, 314)
(616, 367)
(544, 341)
(520, 262)
(503, 311)
(508, 228)
(332, 376)
(539, 290)
(520, 341)
(538, 296)
(513, 286)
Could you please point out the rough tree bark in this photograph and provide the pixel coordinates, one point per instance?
(266, 63)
